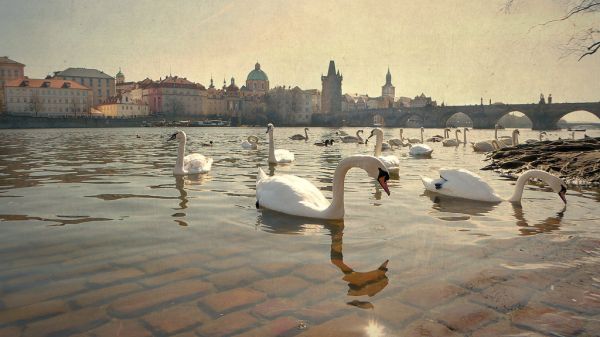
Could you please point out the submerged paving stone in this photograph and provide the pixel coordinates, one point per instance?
(582, 298)
(430, 295)
(104, 294)
(276, 307)
(116, 327)
(275, 267)
(317, 272)
(235, 277)
(144, 301)
(76, 321)
(43, 293)
(174, 261)
(181, 274)
(114, 276)
(348, 326)
(228, 324)
(502, 297)
(394, 312)
(232, 299)
(32, 311)
(464, 317)
(504, 328)
(547, 320)
(176, 318)
(428, 328)
(477, 279)
(279, 327)
(226, 264)
(280, 286)
(10, 331)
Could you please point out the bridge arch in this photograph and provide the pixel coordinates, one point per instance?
(451, 115)
(515, 119)
(579, 117)
(459, 119)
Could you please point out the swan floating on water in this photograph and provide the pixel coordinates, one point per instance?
(541, 138)
(351, 139)
(251, 143)
(192, 163)
(279, 156)
(299, 136)
(297, 196)
(448, 141)
(391, 162)
(420, 150)
(461, 183)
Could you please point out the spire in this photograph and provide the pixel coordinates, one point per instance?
(331, 71)
(212, 85)
(388, 77)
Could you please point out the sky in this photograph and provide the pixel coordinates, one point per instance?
(456, 51)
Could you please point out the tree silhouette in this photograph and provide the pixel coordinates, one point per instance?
(585, 42)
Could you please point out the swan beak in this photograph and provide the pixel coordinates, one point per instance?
(384, 185)
(172, 137)
(562, 194)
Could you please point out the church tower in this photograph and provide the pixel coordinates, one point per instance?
(388, 90)
(331, 94)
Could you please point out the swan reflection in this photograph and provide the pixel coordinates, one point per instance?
(360, 283)
(457, 205)
(547, 225)
(180, 184)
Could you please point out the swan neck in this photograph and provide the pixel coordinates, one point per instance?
(336, 208)
(306, 134)
(422, 136)
(180, 155)
(456, 133)
(271, 147)
(496, 132)
(515, 139)
(360, 140)
(465, 137)
(520, 186)
(378, 143)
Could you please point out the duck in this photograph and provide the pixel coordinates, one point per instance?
(326, 142)
(279, 156)
(351, 139)
(296, 196)
(251, 143)
(210, 143)
(450, 142)
(300, 137)
(461, 183)
(192, 163)
(391, 162)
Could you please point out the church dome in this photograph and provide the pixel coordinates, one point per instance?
(257, 74)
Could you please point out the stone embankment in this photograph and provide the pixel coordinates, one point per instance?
(576, 161)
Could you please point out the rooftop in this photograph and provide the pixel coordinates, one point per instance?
(44, 83)
(82, 72)
(6, 60)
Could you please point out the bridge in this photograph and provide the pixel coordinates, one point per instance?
(543, 116)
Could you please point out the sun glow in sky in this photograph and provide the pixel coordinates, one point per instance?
(456, 51)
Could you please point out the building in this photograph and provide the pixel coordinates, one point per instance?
(293, 106)
(257, 81)
(172, 95)
(331, 93)
(388, 91)
(102, 85)
(422, 101)
(47, 97)
(9, 70)
(121, 86)
(123, 107)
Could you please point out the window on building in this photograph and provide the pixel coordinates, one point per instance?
(107, 93)
(99, 82)
(99, 92)
(1, 72)
(107, 82)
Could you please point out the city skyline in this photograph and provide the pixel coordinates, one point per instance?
(457, 52)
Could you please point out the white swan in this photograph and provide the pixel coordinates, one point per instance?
(391, 162)
(396, 141)
(414, 140)
(451, 142)
(299, 136)
(251, 143)
(297, 196)
(461, 183)
(465, 130)
(351, 139)
(279, 156)
(420, 150)
(192, 163)
(541, 138)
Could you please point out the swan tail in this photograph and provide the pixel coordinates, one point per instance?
(428, 183)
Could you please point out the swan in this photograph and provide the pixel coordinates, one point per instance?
(451, 142)
(391, 162)
(251, 143)
(487, 145)
(541, 138)
(396, 141)
(299, 136)
(420, 150)
(465, 136)
(461, 183)
(414, 140)
(279, 156)
(297, 196)
(351, 139)
(192, 163)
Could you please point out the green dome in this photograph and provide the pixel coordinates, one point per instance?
(257, 74)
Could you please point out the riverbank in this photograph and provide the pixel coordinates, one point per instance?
(575, 161)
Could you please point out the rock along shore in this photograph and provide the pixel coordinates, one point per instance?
(575, 161)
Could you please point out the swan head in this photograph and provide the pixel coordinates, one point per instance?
(270, 127)
(179, 136)
(375, 169)
(516, 132)
(306, 129)
(555, 183)
(375, 132)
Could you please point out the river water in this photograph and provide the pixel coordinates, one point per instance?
(98, 238)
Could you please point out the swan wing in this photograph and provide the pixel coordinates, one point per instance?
(465, 184)
(246, 144)
(284, 156)
(197, 163)
(390, 161)
(290, 194)
(483, 146)
(420, 150)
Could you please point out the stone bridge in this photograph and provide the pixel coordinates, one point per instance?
(543, 116)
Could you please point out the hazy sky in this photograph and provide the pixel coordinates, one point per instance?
(453, 50)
